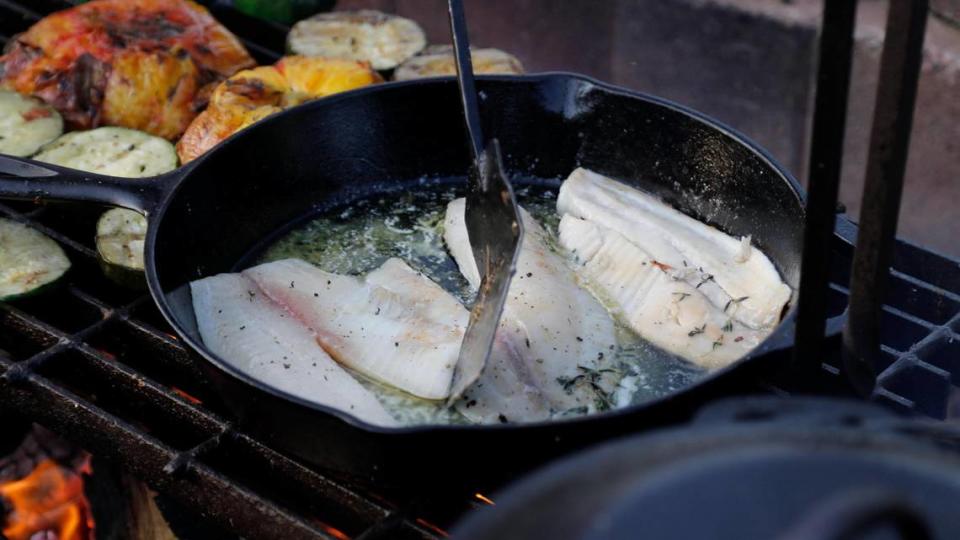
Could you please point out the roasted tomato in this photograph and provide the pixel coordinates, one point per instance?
(142, 64)
(254, 94)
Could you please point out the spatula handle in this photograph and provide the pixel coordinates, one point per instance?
(468, 90)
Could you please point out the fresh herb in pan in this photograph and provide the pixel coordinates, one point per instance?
(734, 301)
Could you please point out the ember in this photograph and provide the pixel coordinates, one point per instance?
(47, 503)
(484, 499)
(186, 396)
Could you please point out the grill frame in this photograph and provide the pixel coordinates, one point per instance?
(127, 407)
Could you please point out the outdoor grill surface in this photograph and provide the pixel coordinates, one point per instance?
(97, 364)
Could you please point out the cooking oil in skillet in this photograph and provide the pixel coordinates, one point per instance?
(359, 237)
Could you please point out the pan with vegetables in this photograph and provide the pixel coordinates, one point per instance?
(267, 256)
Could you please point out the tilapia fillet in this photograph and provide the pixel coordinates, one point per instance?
(733, 275)
(557, 339)
(240, 325)
(666, 311)
(677, 282)
(394, 325)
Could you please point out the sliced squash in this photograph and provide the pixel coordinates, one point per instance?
(112, 151)
(29, 260)
(438, 61)
(367, 35)
(26, 124)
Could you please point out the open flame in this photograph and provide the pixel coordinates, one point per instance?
(48, 503)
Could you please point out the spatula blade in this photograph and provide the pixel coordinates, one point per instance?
(495, 231)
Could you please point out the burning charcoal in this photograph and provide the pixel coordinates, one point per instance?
(41, 487)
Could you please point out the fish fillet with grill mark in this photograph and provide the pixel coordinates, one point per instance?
(560, 338)
(733, 275)
(394, 325)
(240, 325)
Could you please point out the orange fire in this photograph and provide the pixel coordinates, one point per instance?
(49, 499)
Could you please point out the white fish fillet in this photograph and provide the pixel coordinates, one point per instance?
(722, 267)
(666, 311)
(240, 325)
(394, 326)
(552, 332)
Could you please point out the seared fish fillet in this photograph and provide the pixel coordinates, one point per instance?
(666, 311)
(558, 336)
(241, 325)
(394, 326)
(734, 276)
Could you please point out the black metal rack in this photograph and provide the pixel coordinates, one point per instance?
(96, 363)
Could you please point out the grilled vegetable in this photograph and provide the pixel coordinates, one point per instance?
(29, 260)
(254, 94)
(111, 151)
(438, 61)
(143, 64)
(383, 40)
(26, 124)
(120, 238)
(116, 152)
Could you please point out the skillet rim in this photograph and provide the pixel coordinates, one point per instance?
(779, 339)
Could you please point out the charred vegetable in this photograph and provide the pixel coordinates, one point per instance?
(29, 260)
(371, 36)
(254, 94)
(26, 124)
(121, 234)
(111, 151)
(438, 61)
(142, 64)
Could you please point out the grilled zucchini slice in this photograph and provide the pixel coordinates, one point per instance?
(26, 124)
(120, 238)
(383, 40)
(29, 260)
(112, 151)
(116, 152)
(438, 61)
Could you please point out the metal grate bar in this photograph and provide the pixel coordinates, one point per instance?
(829, 121)
(886, 164)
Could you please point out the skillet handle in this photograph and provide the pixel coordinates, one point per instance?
(32, 180)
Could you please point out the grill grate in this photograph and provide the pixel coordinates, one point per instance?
(97, 364)
(920, 365)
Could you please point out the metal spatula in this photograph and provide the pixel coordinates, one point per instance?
(492, 218)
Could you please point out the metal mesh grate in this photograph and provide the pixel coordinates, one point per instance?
(920, 371)
(96, 363)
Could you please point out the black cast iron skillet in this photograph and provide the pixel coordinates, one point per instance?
(209, 214)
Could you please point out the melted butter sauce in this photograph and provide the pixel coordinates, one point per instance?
(358, 237)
